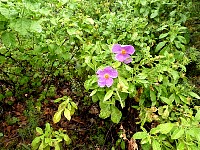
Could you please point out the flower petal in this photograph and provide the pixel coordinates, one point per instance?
(129, 49)
(113, 73)
(102, 82)
(116, 48)
(128, 60)
(121, 57)
(109, 82)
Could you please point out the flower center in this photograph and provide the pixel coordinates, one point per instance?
(106, 76)
(123, 51)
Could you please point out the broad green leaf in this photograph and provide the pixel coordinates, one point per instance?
(108, 95)
(57, 116)
(160, 46)
(154, 14)
(67, 139)
(183, 99)
(35, 143)
(115, 114)
(57, 146)
(21, 26)
(156, 145)
(162, 128)
(181, 146)
(47, 127)
(177, 133)
(116, 64)
(67, 114)
(8, 39)
(194, 95)
(105, 110)
(182, 39)
(140, 135)
(35, 26)
(39, 130)
(166, 100)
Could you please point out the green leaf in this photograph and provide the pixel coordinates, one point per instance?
(21, 26)
(182, 39)
(140, 135)
(39, 130)
(74, 105)
(194, 95)
(108, 95)
(115, 114)
(197, 116)
(123, 83)
(154, 14)
(153, 95)
(35, 143)
(184, 99)
(93, 92)
(160, 46)
(57, 116)
(166, 100)
(177, 133)
(67, 139)
(181, 146)
(163, 35)
(8, 39)
(156, 145)
(35, 26)
(162, 128)
(67, 114)
(105, 110)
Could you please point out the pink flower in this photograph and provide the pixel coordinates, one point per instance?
(123, 52)
(106, 76)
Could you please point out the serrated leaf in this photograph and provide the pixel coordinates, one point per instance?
(177, 133)
(67, 114)
(8, 39)
(39, 130)
(140, 135)
(108, 95)
(156, 145)
(116, 114)
(160, 46)
(57, 116)
(194, 95)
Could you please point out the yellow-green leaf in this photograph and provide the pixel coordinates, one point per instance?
(67, 114)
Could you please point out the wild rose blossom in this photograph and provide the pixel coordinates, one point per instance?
(106, 76)
(123, 52)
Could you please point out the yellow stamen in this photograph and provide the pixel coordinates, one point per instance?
(123, 51)
(106, 76)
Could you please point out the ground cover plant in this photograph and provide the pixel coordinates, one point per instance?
(92, 74)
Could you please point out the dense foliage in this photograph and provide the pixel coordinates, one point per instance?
(46, 43)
